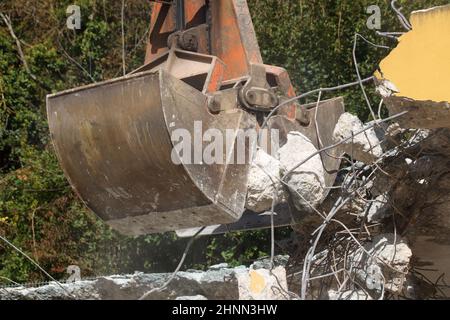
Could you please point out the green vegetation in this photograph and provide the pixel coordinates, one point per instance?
(38, 210)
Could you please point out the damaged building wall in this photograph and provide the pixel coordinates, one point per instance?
(414, 76)
(418, 66)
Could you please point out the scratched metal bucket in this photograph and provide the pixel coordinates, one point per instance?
(113, 141)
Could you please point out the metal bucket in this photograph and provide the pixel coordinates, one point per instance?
(114, 142)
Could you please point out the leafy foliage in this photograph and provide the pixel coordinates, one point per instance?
(38, 210)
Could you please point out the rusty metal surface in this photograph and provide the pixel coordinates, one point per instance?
(201, 71)
(281, 79)
(163, 24)
(114, 144)
(232, 37)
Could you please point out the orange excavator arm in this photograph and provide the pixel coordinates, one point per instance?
(223, 29)
(214, 29)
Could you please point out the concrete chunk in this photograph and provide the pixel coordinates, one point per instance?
(221, 283)
(364, 147)
(306, 183)
(378, 210)
(263, 182)
(384, 262)
(263, 284)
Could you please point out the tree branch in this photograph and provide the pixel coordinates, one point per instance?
(7, 21)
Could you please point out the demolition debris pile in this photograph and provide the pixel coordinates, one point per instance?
(383, 234)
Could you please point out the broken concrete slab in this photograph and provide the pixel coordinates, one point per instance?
(363, 147)
(307, 182)
(219, 283)
(215, 285)
(414, 76)
(263, 182)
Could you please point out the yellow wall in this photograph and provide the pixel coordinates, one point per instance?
(420, 65)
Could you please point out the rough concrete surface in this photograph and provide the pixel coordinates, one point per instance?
(263, 284)
(383, 263)
(218, 283)
(378, 209)
(307, 182)
(363, 147)
(263, 184)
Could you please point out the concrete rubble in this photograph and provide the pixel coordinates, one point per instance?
(363, 147)
(412, 190)
(307, 182)
(409, 194)
(263, 284)
(264, 183)
(383, 264)
(219, 283)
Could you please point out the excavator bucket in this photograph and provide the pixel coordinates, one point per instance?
(119, 141)
(113, 140)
